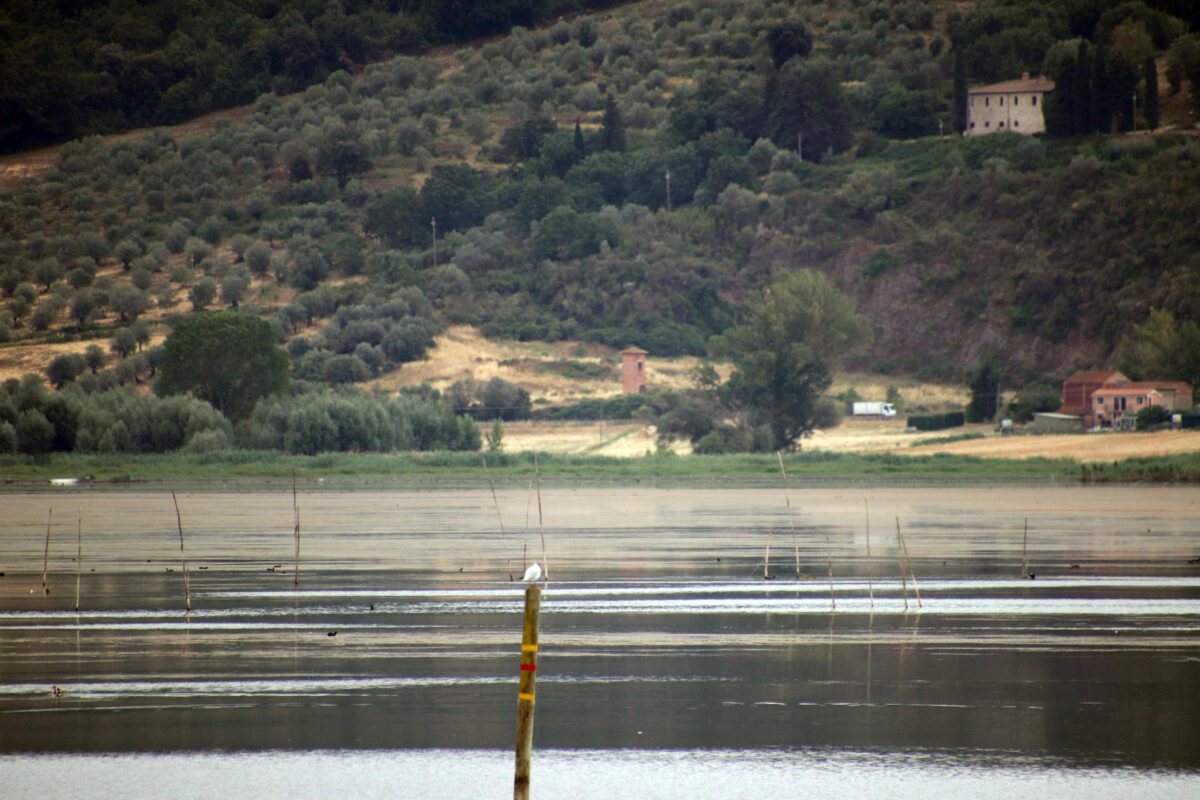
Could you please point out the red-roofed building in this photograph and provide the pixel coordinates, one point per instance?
(1077, 392)
(1009, 106)
(1117, 405)
(633, 370)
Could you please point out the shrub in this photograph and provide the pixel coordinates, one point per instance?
(937, 422)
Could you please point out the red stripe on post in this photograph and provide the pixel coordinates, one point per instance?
(529, 667)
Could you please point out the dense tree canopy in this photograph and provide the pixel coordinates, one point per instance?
(792, 336)
(231, 360)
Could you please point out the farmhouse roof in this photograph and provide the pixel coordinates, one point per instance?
(1127, 389)
(1094, 376)
(1022, 84)
(635, 351)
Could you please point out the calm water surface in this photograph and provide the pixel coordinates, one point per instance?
(668, 662)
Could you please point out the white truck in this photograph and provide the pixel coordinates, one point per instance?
(874, 410)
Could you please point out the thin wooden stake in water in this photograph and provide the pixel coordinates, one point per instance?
(541, 530)
(296, 534)
(870, 569)
(767, 555)
(46, 553)
(903, 579)
(525, 692)
(187, 588)
(78, 558)
(499, 518)
(788, 500)
(1025, 551)
(912, 575)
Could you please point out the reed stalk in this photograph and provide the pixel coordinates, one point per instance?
(1025, 551)
(912, 575)
(187, 588)
(296, 534)
(791, 522)
(46, 552)
(78, 558)
(499, 518)
(870, 569)
(541, 529)
(767, 555)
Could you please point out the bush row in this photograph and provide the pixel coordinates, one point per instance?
(937, 422)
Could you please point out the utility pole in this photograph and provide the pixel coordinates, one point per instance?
(668, 191)
(433, 224)
(800, 144)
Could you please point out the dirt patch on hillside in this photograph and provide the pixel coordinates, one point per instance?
(462, 353)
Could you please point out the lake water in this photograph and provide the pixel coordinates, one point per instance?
(668, 664)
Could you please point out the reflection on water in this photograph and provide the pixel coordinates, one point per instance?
(589, 775)
(668, 663)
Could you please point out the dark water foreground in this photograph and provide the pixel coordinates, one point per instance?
(668, 663)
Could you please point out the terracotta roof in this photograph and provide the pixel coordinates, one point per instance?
(636, 350)
(1025, 84)
(1128, 389)
(1093, 376)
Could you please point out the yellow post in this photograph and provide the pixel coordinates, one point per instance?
(525, 694)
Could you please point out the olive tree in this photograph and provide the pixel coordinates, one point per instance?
(228, 359)
(784, 352)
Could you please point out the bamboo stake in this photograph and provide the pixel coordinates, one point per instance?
(499, 518)
(1025, 551)
(525, 692)
(541, 530)
(870, 569)
(187, 588)
(296, 534)
(788, 500)
(903, 579)
(911, 574)
(46, 552)
(78, 558)
(829, 558)
(767, 556)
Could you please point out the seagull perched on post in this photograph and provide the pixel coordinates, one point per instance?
(533, 573)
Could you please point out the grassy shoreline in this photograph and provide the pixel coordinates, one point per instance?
(340, 469)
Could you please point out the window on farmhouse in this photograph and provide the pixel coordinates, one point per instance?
(1034, 99)
(1001, 101)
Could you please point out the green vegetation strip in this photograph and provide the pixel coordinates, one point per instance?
(342, 467)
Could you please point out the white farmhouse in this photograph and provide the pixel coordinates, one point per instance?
(1009, 106)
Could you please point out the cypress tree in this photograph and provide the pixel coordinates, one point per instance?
(612, 131)
(961, 93)
(1151, 103)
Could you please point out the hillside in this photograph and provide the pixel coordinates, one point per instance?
(623, 179)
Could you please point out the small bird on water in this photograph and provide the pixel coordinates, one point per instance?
(533, 574)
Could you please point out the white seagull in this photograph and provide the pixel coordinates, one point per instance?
(533, 573)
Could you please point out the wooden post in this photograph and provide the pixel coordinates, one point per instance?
(46, 552)
(870, 569)
(296, 534)
(525, 694)
(78, 558)
(1025, 551)
(187, 589)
